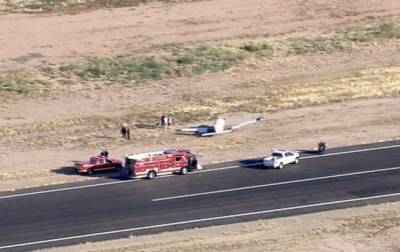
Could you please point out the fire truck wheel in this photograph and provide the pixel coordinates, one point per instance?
(89, 172)
(151, 174)
(184, 170)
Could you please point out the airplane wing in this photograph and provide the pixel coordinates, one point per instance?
(246, 123)
(194, 129)
(206, 130)
(199, 129)
(215, 133)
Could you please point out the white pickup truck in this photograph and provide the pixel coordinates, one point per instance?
(279, 158)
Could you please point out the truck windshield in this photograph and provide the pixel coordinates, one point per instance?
(276, 154)
(93, 160)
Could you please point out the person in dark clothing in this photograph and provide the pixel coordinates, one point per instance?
(169, 121)
(104, 153)
(192, 162)
(127, 170)
(162, 121)
(321, 147)
(125, 132)
(128, 133)
(189, 164)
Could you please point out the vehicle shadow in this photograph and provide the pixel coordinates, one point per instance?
(177, 132)
(66, 170)
(253, 164)
(311, 152)
(108, 174)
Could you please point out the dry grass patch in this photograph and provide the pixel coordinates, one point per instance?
(370, 225)
(21, 174)
(196, 60)
(190, 61)
(379, 82)
(23, 84)
(180, 62)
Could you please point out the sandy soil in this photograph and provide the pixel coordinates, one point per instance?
(60, 38)
(345, 97)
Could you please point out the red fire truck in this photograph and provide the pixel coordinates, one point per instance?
(164, 162)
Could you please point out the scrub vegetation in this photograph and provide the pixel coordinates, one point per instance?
(46, 6)
(272, 96)
(23, 84)
(186, 62)
(207, 58)
(191, 61)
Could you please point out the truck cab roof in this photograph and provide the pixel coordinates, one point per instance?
(280, 151)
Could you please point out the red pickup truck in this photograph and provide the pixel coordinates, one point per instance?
(98, 163)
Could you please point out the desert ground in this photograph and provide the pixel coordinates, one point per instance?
(71, 72)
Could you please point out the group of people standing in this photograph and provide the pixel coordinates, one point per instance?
(104, 156)
(165, 122)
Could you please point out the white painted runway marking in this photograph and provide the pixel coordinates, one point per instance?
(232, 216)
(64, 189)
(275, 184)
(199, 171)
(227, 167)
(353, 151)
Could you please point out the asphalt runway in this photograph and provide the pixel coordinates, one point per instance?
(223, 193)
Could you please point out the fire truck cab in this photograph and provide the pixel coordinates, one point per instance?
(151, 164)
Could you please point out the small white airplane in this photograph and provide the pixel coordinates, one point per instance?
(217, 128)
